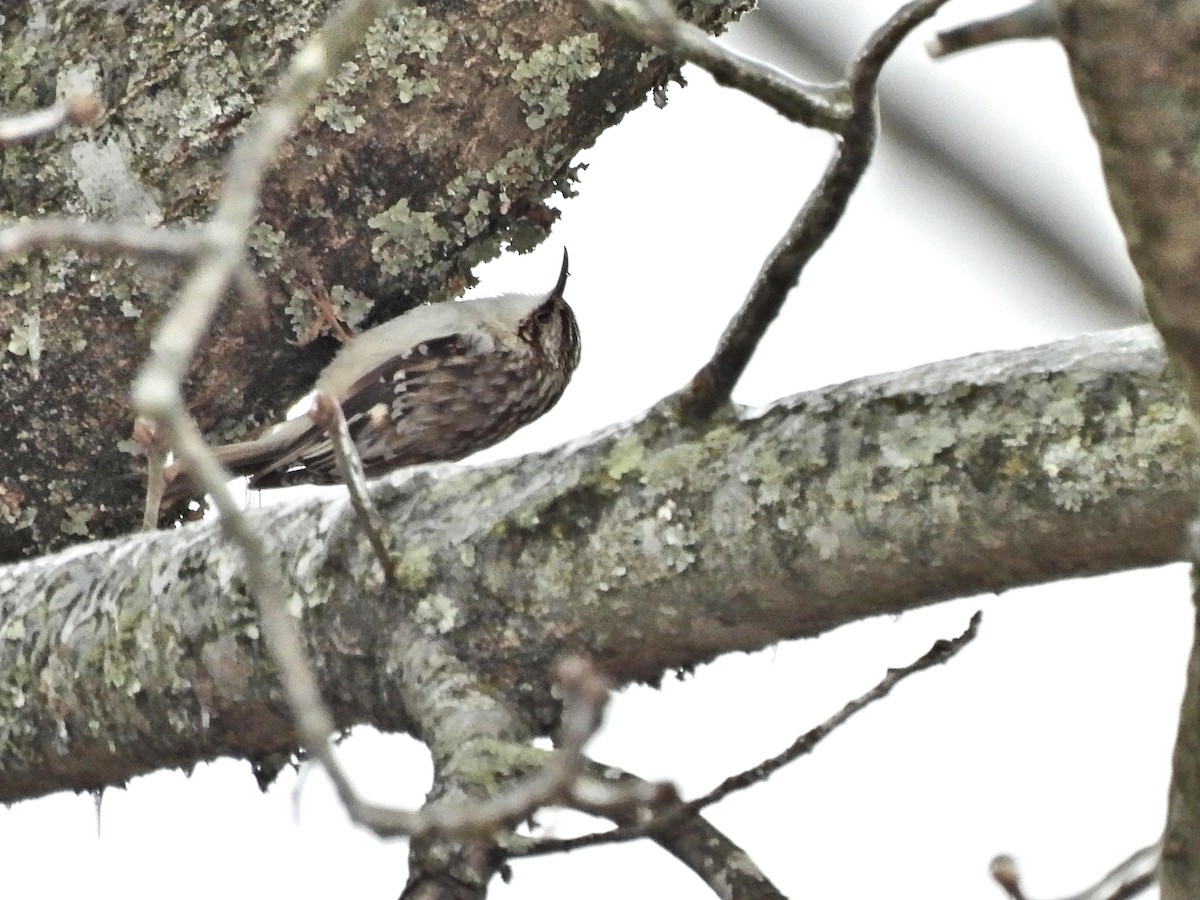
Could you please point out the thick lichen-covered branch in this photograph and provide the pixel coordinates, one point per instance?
(649, 547)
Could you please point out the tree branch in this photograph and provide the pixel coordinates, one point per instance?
(656, 22)
(1132, 877)
(847, 109)
(941, 652)
(712, 385)
(73, 109)
(1000, 470)
(1144, 146)
(124, 238)
(720, 863)
(1037, 19)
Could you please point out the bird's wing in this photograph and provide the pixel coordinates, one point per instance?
(374, 407)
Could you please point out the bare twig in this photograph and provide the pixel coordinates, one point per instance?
(75, 109)
(710, 388)
(1130, 878)
(108, 237)
(942, 651)
(150, 440)
(1034, 20)
(327, 413)
(655, 22)
(157, 393)
(697, 843)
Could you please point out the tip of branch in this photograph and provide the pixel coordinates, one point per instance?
(935, 48)
(1034, 20)
(324, 410)
(82, 109)
(1004, 872)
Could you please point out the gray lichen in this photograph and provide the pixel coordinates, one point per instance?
(547, 75)
(653, 545)
(408, 238)
(25, 339)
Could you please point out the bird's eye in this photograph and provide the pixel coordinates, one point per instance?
(544, 315)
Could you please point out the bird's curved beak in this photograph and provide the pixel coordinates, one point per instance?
(562, 278)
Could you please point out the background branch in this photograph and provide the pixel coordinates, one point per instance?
(711, 387)
(1034, 20)
(941, 652)
(724, 866)
(1131, 878)
(74, 109)
(1155, 194)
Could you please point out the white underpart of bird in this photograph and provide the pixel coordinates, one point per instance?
(436, 383)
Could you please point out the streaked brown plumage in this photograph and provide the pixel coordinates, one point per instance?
(437, 383)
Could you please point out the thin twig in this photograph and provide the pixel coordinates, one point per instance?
(327, 413)
(655, 22)
(108, 237)
(941, 652)
(697, 843)
(150, 440)
(157, 393)
(1133, 876)
(711, 387)
(605, 796)
(76, 109)
(1034, 20)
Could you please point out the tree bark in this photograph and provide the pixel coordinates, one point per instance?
(651, 547)
(438, 146)
(647, 548)
(1137, 74)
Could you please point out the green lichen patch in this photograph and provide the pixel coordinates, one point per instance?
(438, 613)
(407, 240)
(25, 340)
(546, 75)
(402, 43)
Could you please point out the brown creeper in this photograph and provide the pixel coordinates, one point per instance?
(436, 383)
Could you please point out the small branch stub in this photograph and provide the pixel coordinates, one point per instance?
(76, 109)
(1036, 20)
(1129, 879)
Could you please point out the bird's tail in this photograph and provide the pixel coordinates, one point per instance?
(241, 458)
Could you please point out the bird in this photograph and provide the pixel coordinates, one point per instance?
(436, 383)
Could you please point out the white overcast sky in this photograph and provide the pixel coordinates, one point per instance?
(1049, 738)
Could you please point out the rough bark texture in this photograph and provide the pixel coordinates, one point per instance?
(646, 547)
(1137, 73)
(438, 145)
(1179, 870)
(649, 547)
